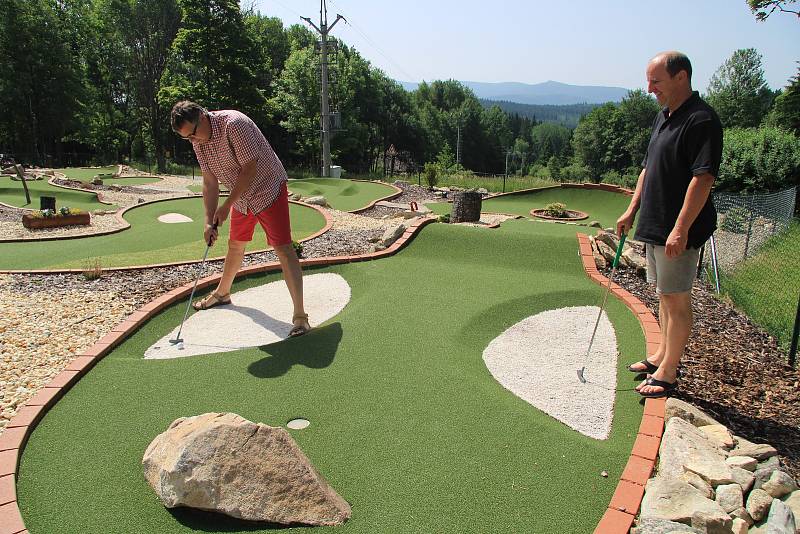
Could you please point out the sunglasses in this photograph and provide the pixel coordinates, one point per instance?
(194, 131)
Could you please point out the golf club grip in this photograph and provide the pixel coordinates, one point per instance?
(619, 249)
(213, 227)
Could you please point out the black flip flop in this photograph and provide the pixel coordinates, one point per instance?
(666, 388)
(649, 368)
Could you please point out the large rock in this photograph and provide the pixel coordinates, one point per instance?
(781, 520)
(685, 448)
(712, 522)
(392, 234)
(678, 408)
(317, 201)
(674, 500)
(763, 475)
(718, 434)
(741, 513)
(697, 482)
(758, 504)
(224, 463)
(793, 502)
(759, 451)
(649, 525)
(779, 484)
(739, 526)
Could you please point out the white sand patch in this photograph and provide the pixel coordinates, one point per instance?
(537, 359)
(173, 218)
(258, 316)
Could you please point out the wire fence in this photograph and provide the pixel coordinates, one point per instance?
(758, 260)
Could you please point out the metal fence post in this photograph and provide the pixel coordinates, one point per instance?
(793, 349)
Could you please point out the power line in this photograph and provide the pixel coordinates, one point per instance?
(404, 72)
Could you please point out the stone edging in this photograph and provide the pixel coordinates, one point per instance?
(328, 225)
(624, 505)
(19, 428)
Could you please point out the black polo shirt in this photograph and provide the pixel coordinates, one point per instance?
(682, 145)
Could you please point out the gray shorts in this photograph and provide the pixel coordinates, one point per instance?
(671, 275)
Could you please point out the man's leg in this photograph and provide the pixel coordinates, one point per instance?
(233, 261)
(293, 276)
(675, 337)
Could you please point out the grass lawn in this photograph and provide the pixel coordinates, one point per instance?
(602, 206)
(407, 423)
(147, 241)
(766, 286)
(12, 193)
(341, 194)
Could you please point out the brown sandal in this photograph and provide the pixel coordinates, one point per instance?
(299, 329)
(211, 301)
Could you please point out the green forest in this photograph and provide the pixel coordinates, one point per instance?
(92, 82)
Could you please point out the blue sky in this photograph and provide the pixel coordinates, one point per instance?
(580, 42)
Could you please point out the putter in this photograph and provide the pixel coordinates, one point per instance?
(602, 306)
(178, 339)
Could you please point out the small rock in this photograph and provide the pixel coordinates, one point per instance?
(719, 434)
(595, 224)
(741, 513)
(759, 451)
(730, 497)
(743, 477)
(781, 520)
(687, 412)
(742, 462)
(739, 526)
(758, 504)
(697, 482)
(604, 474)
(779, 484)
(712, 522)
(650, 525)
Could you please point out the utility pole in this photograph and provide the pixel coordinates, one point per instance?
(505, 176)
(458, 146)
(323, 30)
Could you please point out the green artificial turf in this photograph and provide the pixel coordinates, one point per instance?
(147, 241)
(602, 206)
(85, 174)
(12, 193)
(766, 286)
(407, 423)
(132, 180)
(341, 194)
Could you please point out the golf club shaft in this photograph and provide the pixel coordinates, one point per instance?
(605, 296)
(197, 279)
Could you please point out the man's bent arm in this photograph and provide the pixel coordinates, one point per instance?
(696, 197)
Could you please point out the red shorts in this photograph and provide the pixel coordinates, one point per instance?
(274, 220)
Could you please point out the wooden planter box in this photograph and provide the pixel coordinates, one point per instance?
(31, 222)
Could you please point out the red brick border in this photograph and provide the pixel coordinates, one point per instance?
(13, 439)
(627, 498)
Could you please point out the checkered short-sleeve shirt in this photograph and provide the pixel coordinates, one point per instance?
(235, 141)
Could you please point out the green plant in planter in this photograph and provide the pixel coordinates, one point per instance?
(556, 209)
(431, 171)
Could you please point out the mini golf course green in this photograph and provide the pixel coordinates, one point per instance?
(342, 194)
(602, 206)
(407, 423)
(85, 174)
(147, 241)
(13, 194)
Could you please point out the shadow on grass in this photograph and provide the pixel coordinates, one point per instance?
(200, 520)
(315, 350)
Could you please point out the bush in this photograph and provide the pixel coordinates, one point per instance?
(735, 220)
(298, 248)
(431, 174)
(576, 173)
(624, 180)
(758, 160)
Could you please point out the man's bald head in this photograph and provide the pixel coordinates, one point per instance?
(675, 62)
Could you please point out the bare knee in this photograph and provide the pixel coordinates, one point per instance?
(285, 251)
(677, 303)
(236, 246)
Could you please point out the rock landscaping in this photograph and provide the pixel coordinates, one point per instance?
(715, 481)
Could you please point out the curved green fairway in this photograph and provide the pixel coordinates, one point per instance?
(342, 194)
(132, 180)
(407, 423)
(602, 206)
(84, 174)
(12, 193)
(147, 241)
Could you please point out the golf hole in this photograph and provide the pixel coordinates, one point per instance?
(298, 424)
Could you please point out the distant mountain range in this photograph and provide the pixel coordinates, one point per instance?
(548, 93)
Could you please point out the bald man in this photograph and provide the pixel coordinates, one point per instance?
(676, 213)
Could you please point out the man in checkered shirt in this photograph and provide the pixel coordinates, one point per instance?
(232, 150)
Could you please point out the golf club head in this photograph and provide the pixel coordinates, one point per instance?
(176, 340)
(580, 375)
